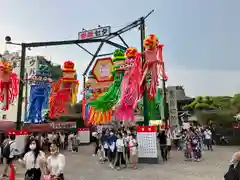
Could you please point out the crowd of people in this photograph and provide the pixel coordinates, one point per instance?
(63, 140)
(191, 141)
(117, 148)
(41, 156)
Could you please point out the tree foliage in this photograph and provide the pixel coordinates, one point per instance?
(235, 102)
(215, 103)
(218, 109)
(218, 117)
(201, 103)
(222, 102)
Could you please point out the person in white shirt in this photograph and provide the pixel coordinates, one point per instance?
(120, 152)
(9, 152)
(50, 137)
(169, 142)
(208, 139)
(70, 142)
(41, 140)
(56, 163)
(33, 160)
(62, 140)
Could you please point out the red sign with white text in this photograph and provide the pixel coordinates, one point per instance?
(141, 129)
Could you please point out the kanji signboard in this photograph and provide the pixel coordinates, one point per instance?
(102, 70)
(94, 33)
(31, 65)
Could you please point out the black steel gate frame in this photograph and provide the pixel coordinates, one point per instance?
(139, 22)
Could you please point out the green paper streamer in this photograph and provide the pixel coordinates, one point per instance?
(111, 97)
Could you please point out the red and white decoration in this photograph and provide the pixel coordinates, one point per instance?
(147, 141)
(84, 135)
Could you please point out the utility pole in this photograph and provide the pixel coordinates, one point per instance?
(145, 95)
(21, 86)
(164, 103)
(26, 96)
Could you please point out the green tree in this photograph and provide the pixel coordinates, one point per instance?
(222, 102)
(235, 102)
(218, 117)
(201, 103)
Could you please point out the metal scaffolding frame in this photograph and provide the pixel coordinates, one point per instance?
(107, 39)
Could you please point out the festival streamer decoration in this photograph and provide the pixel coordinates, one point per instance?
(101, 109)
(130, 88)
(64, 91)
(40, 86)
(88, 96)
(9, 84)
(154, 64)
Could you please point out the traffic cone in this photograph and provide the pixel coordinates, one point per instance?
(12, 172)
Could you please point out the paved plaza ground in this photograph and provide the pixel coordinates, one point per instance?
(82, 166)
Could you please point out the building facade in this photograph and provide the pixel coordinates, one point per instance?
(176, 99)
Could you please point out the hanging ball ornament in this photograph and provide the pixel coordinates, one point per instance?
(150, 42)
(131, 52)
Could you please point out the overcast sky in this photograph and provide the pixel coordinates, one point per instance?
(201, 37)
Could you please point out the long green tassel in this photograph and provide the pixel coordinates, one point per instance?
(155, 106)
(152, 109)
(111, 97)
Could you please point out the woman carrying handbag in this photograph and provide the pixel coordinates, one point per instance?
(55, 164)
(33, 160)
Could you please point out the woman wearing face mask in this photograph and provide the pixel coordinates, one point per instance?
(120, 152)
(33, 160)
(56, 163)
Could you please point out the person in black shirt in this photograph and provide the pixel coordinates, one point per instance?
(162, 137)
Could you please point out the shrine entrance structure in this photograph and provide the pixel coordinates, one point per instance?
(106, 38)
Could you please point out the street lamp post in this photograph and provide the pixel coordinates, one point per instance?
(21, 86)
(26, 96)
(21, 82)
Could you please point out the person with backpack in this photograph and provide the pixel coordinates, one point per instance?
(9, 152)
(5, 141)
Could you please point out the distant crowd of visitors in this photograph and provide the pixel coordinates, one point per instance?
(118, 148)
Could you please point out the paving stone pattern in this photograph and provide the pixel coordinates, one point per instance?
(82, 166)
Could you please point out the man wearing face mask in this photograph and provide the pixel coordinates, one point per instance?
(56, 163)
(112, 148)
